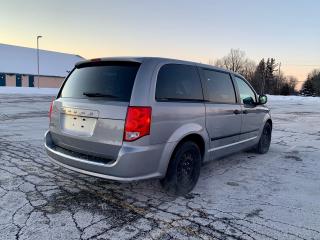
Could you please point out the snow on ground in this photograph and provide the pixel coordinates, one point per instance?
(292, 99)
(240, 197)
(29, 91)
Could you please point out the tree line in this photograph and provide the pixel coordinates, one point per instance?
(311, 87)
(266, 77)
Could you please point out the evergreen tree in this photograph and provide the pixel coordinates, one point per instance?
(270, 80)
(307, 88)
(258, 79)
(285, 89)
(314, 78)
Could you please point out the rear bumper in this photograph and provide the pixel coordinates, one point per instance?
(133, 162)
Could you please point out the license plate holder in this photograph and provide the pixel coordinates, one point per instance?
(77, 122)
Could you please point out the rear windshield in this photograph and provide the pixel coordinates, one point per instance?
(107, 80)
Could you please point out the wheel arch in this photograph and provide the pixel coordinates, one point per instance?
(196, 138)
(200, 138)
(270, 122)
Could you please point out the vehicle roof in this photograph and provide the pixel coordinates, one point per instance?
(160, 60)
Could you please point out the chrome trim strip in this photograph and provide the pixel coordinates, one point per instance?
(232, 144)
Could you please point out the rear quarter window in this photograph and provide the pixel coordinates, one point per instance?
(178, 82)
(109, 80)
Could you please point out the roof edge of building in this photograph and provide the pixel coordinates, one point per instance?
(10, 45)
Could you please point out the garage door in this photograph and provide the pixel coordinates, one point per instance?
(18, 80)
(31, 81)
(2, 79)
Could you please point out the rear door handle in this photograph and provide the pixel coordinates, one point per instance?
(236, 111)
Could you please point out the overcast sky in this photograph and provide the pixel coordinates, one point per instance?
(288, 30)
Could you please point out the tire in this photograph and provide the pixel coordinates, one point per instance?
(265, 139)
(183, 170)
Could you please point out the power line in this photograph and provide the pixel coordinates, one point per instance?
(303, 65)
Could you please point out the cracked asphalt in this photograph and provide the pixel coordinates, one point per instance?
(243, 196)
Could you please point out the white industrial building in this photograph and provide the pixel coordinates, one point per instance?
(18, 66)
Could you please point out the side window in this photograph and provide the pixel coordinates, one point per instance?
(219, 87)
(247, 96)
(178, 82)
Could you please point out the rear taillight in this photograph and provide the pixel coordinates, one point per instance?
(137, 123)
(50, 109)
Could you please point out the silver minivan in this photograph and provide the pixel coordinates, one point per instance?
(128, 119)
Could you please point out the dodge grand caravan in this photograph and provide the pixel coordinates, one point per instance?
(129, 119)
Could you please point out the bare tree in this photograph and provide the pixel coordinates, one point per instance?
(287, 85)
(265, 77)
(211, 62)
(234, 61)
(248, 69)
(292, 81)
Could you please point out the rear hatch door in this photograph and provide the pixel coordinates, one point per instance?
(89, 114)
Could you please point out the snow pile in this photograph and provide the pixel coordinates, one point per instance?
(29, 90)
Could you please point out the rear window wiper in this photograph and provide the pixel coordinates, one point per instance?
(97, 94)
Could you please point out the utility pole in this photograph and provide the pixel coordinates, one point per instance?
(278, 79)
(38, 60)
(279, 68)
(263, 82)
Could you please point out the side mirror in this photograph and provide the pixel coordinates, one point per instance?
(248, 101)
(263, 99)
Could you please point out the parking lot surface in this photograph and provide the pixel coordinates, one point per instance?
(243, 196)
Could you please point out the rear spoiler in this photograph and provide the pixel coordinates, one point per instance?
(108, 62)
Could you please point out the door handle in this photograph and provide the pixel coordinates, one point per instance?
(245, 111)
(236, 111)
